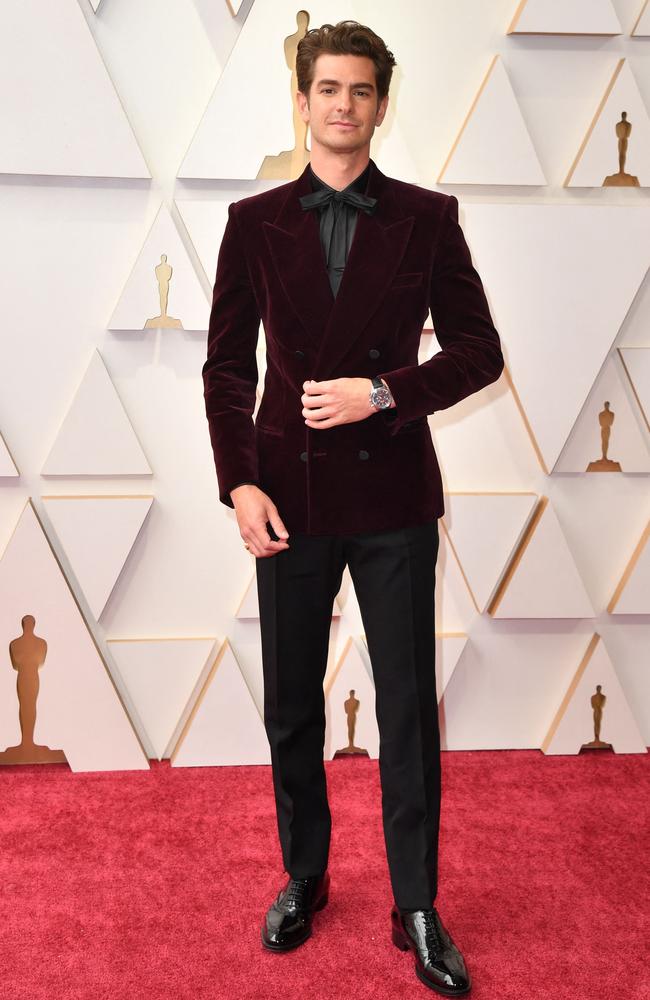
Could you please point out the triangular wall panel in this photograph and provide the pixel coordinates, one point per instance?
(632, 595)
(484, 529)
(574, 724)
(542, 580)
(641, 28)
(97, 534)
(224, 726)
(160, 676)
(636, 361)
(454, 605)
(493, 146)
(565, 17)
(63, 115)
(96, 437)
(7, 465)
(78, 709)
(594, 258)
(597, 160)
(628, 443)
(163, 268)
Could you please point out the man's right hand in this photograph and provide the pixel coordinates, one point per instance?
(254, 509)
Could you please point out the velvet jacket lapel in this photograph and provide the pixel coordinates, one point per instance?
(377, 249)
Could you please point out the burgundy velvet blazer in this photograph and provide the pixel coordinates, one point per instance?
(408, 256)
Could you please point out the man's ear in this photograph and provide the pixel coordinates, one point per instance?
(381, 110)
(303, 105)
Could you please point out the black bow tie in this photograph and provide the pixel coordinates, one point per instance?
(326, 195)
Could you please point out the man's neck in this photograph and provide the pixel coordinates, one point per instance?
(338, 169)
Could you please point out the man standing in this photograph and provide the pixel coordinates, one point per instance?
(341, 266)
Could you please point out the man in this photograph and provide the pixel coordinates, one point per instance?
(341, 265)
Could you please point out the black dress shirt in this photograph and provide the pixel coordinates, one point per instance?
(342, 231)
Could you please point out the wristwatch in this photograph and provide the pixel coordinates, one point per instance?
(380, 395)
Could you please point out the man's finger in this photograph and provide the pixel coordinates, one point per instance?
(315, 401)
(319, 424)
(321, 414)
(314, 388)
(263, 541)
(277, 526)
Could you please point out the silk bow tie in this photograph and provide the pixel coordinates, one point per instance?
(326, 195)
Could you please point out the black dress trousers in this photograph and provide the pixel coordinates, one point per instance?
(393, 573)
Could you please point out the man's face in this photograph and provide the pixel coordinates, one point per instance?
(342, 110)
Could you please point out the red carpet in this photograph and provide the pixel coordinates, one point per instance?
(153, 885)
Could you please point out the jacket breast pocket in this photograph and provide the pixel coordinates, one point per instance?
(409, 279)
(273, 431)
(412, 425)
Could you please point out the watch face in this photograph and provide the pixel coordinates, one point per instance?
(381, 397)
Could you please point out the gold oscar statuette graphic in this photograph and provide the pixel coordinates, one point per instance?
(27, 654)
(621, 179)
(605, 464)
(351, 706)
(597, 703)
(291, 163)
(164, 273)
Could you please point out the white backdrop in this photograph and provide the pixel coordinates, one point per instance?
(73, 231)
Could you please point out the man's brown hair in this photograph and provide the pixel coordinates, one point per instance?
(344, 38)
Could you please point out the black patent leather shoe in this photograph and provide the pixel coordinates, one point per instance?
(289, 919)
(438, 962)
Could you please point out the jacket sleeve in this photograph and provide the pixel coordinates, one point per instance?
(230, 370)
(471, 352)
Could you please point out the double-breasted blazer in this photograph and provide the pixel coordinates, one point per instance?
(408, 256)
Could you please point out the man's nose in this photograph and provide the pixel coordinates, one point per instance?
(345, 102)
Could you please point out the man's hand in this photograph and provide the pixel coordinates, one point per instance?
(336, 401)
(253, 509)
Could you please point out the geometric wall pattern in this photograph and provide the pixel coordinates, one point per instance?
(565, 17)
(97, 533)
(637, 365)
(484, 554)
(642, 26)
(78, 709)
(7, 464)
(493, 146)
(53, 124)
(542, 580)
(594, 258)
(96, 437)
(598, 156)
(566, 277)
(224, 725)
(632, 594)
(594, 710)
(163, 290)
(160, 676)
(626, 439)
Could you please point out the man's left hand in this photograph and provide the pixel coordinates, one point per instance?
(336, 401)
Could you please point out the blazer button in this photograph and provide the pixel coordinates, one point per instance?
(373, 352)
(363, 454)
(299, 354)
(303, 456)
